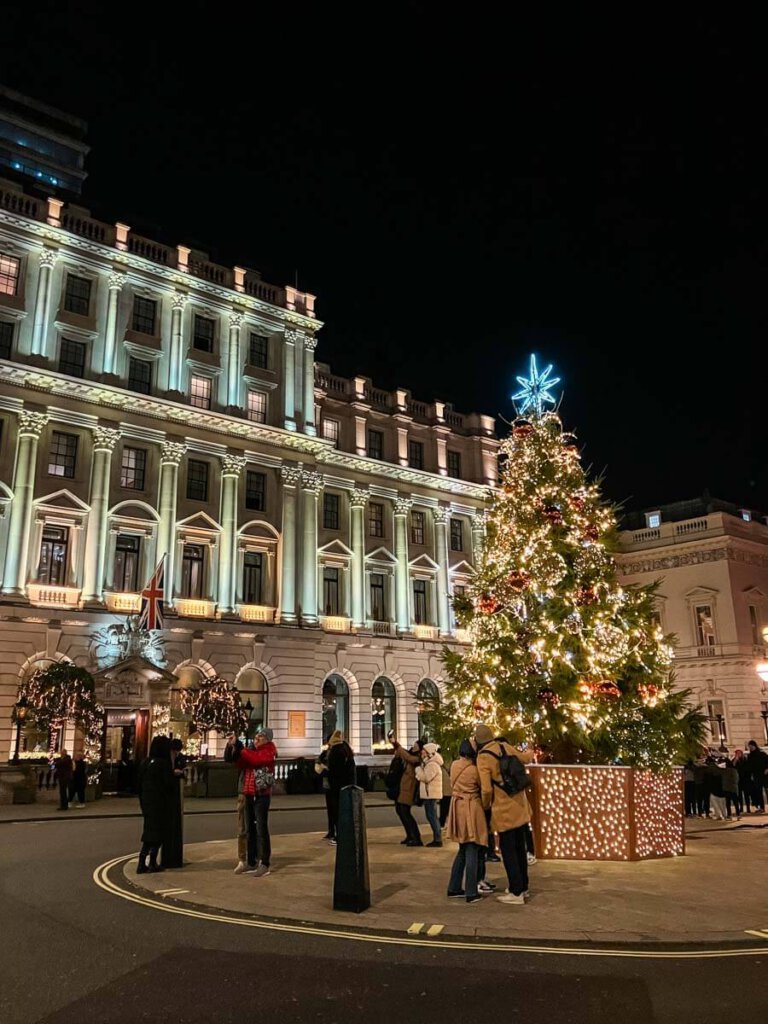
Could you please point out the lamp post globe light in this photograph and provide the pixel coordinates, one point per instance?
(21, 707)
(762, 670)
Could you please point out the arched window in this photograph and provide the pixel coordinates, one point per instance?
(335, 707)
(383, 714)
(252, 685)
(427, 695)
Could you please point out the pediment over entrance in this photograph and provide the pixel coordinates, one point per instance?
(63, 500)
(135, 682)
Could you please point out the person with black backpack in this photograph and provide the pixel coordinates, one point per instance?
(503, 783)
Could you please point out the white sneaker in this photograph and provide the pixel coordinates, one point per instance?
(531, 858)
(510, 898)
(486, 887)
(261, 871)
(240, 867)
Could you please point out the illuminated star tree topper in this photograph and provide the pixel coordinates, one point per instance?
(535, 392)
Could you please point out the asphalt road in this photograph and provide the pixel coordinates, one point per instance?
(73, 954)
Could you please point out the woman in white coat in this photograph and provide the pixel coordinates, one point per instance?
(430, 776)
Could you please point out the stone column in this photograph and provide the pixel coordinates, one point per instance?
(42, 303)
(289, 379)
(232, 466)
(357, 503)
(104, 441)
(441, 552)
(402, 572)
(17, 552)
(311, 482)
(234, 362)
(116, 282)
(178, 302)
(310, 344)
(291, 475)
(478, 537)
(170, 456)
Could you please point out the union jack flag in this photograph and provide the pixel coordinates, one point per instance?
(152, 599)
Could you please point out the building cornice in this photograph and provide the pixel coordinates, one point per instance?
(731, 549)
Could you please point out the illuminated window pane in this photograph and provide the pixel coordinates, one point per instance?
(257, 406)
(200, 392)
(9, 274)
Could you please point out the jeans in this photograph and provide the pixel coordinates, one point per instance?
(433, 817)
(732, 799)
(717, 805)
(63, 795)
(259, 844)
(514, 855)
(469, 858)
(331, 833)
(408, 822)
(745, 794)
(445, 809)
(690, 798)
(757, 796)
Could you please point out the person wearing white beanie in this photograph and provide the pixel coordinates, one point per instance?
(430, 776)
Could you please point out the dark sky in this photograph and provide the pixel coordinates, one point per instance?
(460, 189)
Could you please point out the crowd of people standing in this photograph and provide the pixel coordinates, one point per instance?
(723, 787)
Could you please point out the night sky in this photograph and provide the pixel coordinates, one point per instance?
(460, 190)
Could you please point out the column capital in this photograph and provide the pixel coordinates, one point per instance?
(403, 506)
(48, 257)
(441, 516)
(232, 465)
(31, 423)
(479, 521)
(105, 439)
(116, 280)
(236, 321)
(179, 300)
(358, 497)
(293, 337)
(310, 342)
(291, 474)
(172, 452)
(311, 480)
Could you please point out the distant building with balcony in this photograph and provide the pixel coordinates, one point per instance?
(314, 528)
(712, 560)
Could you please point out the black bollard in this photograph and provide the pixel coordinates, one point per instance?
(351, 885)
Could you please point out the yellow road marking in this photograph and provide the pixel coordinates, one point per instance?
(168, 892)
(103, 881)
(435, 929)
(415, 927)
(760, 934)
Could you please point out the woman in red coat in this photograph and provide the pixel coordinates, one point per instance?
(258, 766)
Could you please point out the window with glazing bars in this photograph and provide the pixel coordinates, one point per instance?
(192, 570)
(77, 295)
(376, 519)
(126, 575)
(255, 490)
(202, 334)
(416, 455)
(140, 375)
(331, 511)
(457, 535)
(9, 274)
(197, 480)
(330, 591)
(54, 551)
(417, 527)
(257, 406)
(62, 454)
(6, 339)
(331, 431)
(259, 351)
(200, 392)
(144, 315)
(420, 602)
(454, 465)
(378, 602)
(133, 468)
(72, 356)
(375, 444)
(253, 573)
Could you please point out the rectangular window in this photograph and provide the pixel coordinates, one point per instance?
(420, 602)
(330, 591)
(416, 455)
(653, 520)
(202, 333)
(259, 351)
(378, 598)
(457, 535)
(62, 454)
(140, 375)
(454, 465)
(459, 590)
(330, 511)
(754, 625)
(133, 468)
(77, 295)
(192, 570)
(54, 550)
(255, 490)
(197, 480)
(376, 519)
(72, 358)
(200, 392)
(9, 274)
(331, 431)
(717, 726)
(127, 552)
(375, 444)
(144, 315)
(705, 626)
(6, 339)
(253, 575)
(257, 406)
(417, 527)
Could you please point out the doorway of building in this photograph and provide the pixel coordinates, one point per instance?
(126, 735)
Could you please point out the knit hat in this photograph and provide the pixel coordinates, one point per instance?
(430, 748)
(336, 737)
(266, 733)
(482, 735)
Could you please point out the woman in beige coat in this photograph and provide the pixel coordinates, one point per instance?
(467, 826)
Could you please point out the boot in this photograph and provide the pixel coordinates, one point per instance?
(142, 869)
(153, 865)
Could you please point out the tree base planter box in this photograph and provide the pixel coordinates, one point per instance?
(606, 812)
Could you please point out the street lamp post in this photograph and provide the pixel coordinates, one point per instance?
(764, 716)
(721, 732)
(21, 707)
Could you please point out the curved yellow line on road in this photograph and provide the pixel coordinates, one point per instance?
(103, 881)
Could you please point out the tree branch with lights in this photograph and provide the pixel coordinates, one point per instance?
(215, 704)
(62, 693)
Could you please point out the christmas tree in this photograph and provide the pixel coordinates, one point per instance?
(215, 704)
(560, 652)
(60, 693)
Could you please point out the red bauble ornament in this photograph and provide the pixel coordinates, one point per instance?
(571, 451)
(586, 595)
(591, 532)
(522, 429)
(649, 693)
(548, 696)
(488, 604)
(553, 514)
(608, 689)
(518, 580)
(578, 503)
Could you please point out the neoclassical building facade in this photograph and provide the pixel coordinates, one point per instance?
(314, 528)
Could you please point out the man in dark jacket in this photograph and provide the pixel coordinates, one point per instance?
(155, 785)
(64, 770)
(341, 772)
(79, 780)
(757, 763)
